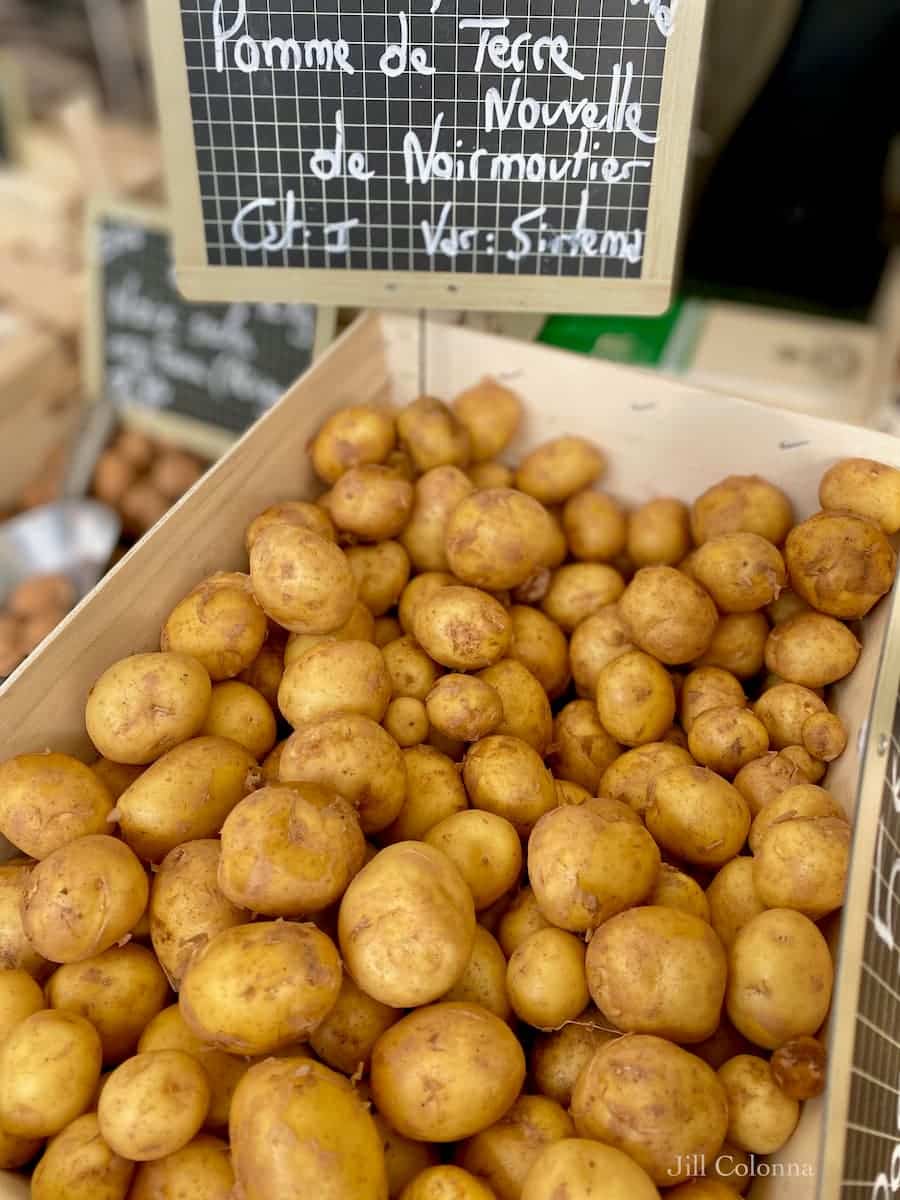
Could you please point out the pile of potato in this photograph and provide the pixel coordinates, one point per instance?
(142, 479)
(471, 846)
(32, 610)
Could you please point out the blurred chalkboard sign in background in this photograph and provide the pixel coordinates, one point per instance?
(199, 374)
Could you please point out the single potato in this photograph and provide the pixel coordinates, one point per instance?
(505, 776)
(697, 815)
(521, 919)
(446, 1183)
(580, 1169)
(802, 864)
(344, 1040)
(503, 1155)
(49, 1067)
(485, 849)
(812, 649)
(406, 926)
(761, 1117)
(291, 512)
(675, 889)
(47, 800)
(496, 538)
(202, 1168)
(462, 628)
(596, 641)
(335, 679)
(578, 590)
(596, 527)
(491, 414)
(824, 736)
(417, 591)
(301, 580)
(79, 1165)
(659, 533)
(406, 720)
(355, 435)
(732, 899)
(153, 1104)
(432, 435)
(412, 673)
(145, 705)
(371, 502)
(526, 708)
(705, 688)
(220, 624)
(16, 952)
(20, 996)
(446, 1072)
(658, 971)
(742, 504)
(381, 573)
(669, 615)
(545, 979)
(840, 564)
(484, 980)
(540, 646)
(583, 750)
(464, 707)
(264, 675)
(558, 1058)
(254, 989)
(629, 777)
(434, 791)
(866, 488)
(437, 494)
(801, 801)
(741, 571)
(559, 468)
(727, 738)
(738, 644)
(635, 698)
(240, 713)
(658, 1103)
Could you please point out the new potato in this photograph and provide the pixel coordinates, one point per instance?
(578, 590)
(491, 414)
(801, 800)
(79, 1165)
(49, 1067)
(20, 996)
(802, 863)
(220, 624)
(464, 707)
(669, 615)
(705, 688)
(596, 527)
(495, 538)
(761, 1117)
(635, 699)
(629, 777)
(153, 1104)
(381, 572)
(16, 952)
(462, 628)
(742, 504)
(486, 850)
(301, 580)
(540, 646)
(335, 679)
(344, 1040)
(840, 564)
(732, 899)
(47, 800)
(738, 644)
(524, 703)
(545, 979)
(357, 434)
(658, 533)
(434, 791)
(201, 1169)
(437, 494)
(432, 435)
(503, 1155)
(241, 714)
(868, 489)
(484, 980)
(727, 738)
(506, 776)
(521, 919)
(582, 1169)
(697, 815)
(742, 572)
(812, 649)
(559, 468)
(558, 1058)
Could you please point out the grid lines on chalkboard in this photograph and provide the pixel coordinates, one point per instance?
(561, 188)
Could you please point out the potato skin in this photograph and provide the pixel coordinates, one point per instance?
(49, 1067)
(186, 794)
(118, 991)
(802, 864)
(324, 1119)
(371, 501)
(355, 757)
(357, 434)
(588, 862)
(675, 889)
(474, 1056)
(545, 979)
(78, 1165)
(145, 705)
(635, 699)
(763, 780)
(291, 512)
(254, 989)
(521, 919)
(335, 679)
(437, 494)
(409, 905)
(669, 615)
(484, 848)
(446, 1182)
(264, 674)
(495, 538)
(153, 1104)
(503, 1154)
(742, 504)
(47, 800)
(581, 1167)
(658, 533)
(824, 736)
(289, 851)
(220, 624)
(434, 791)
(657, 1102)
(583, 749)
(658, 971)
(462, 628)
(860, 564)
(697, 815)
(727, 738)
(540, 646)
(60, 916)
(732, 899)
(20, 996)
(761, 1117)
(187, 907)
(506, 776)
(526, 709)
(866, 488)
(780, 976)
(302, 581)
(812, 649)
(628, 778)
(432, 435)
(464, 707)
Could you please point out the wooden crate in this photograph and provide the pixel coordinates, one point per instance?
(662, 437)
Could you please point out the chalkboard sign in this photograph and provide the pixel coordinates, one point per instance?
(444, 153)
(200, 374)
(12, 111)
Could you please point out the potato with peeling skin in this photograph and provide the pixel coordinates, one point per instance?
(60, 914)
(47, 800)
(658, 971)
(355, 757)
(763, 780)
(302, 581)
(381, 572)
(524, 703)
(289, 851)
(635, 699)
(588, 862)
(559, 468)
(840, 564)
(291, 512)
(741, 571)
(335, 679)
(732, 899)
(254, 989)
(705, 688)
(761, 1117)
(596, 527)
(506, 776)
(783, 710)
(78, 1164)
(16, 952)
(727, 738)
(658, 1103)
(812, 649)
(446, 1072)
(669, 615)
(802, 863)
(491, 413)
(496, 539)
(658, 533)
(866, 488)
(629, 777)
(697, 815)
(355, 435)
(780, 975)
(145, 705)
(742, 504)
(407, 925)
(463, 628)
(583, 750)
(503, 1154)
